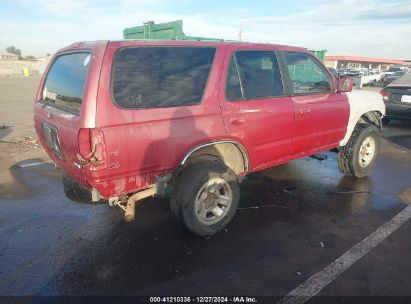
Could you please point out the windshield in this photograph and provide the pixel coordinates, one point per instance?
(65, 81)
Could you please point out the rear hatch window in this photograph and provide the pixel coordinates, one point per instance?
(153, 77)
(65, 81)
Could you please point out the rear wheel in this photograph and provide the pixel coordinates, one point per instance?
(358, 156)
(205, 198)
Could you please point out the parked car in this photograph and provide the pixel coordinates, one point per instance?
(127, 120)
(353, 72)
(375, 71)
(341, 72)
(392, 77)
(391, 71)
(397, 98)
(369, 78)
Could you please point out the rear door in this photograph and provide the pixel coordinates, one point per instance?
(321, 114)
(255, 110)
(65, 103)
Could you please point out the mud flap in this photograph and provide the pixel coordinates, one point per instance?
(77, 193)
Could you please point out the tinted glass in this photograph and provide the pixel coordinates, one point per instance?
(307, 75)
(260, 75)
(150, 77)
(233, 87)
(64, 84)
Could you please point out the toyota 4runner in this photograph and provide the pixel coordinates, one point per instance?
(127, 120)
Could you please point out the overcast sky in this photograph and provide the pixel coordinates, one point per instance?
(372, 28)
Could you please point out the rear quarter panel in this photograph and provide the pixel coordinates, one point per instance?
(67, 124)
(143, 143)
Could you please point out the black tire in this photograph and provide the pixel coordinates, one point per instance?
(386, 121)
(187, 188)
(349, 155)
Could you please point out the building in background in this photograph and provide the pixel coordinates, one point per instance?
(10, 65)
(8, 56)
(352, 62)
(44, 59)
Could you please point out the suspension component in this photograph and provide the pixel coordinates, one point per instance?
(129, 205)
(132, 200)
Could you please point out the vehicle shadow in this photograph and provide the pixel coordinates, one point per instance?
(153, 256)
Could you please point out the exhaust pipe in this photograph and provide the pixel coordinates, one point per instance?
(131, 203)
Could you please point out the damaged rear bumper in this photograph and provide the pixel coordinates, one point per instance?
(79, 194)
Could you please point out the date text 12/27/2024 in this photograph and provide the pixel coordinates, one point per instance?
(239, 299)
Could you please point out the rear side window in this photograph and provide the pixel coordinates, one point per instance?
(65, 81)
(253, 75)
(307, 75)
(153, 77)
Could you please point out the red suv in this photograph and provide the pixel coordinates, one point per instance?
(130, 119)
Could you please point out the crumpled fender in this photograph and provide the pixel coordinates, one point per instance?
(361, 102)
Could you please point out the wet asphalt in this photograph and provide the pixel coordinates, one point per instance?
(293, 220)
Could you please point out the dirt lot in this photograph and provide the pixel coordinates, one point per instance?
(18, 138)
(295, 223)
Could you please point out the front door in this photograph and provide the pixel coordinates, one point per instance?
(321, 113)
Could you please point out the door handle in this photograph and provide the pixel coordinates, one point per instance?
(304, 110)
(237, 121)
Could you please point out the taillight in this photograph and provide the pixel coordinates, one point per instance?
(385, 95)
(84, 143)
(92, 150)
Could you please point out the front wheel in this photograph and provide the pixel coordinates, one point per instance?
(205, 198)
(358, 156)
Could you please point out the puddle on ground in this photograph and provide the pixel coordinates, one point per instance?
(14, 180)
(13, 189)
(401, 140)
(297, 187)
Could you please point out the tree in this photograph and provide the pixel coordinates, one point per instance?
(29, 57)
(13, 50)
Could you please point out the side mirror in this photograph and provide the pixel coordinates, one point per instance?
(345, 84)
